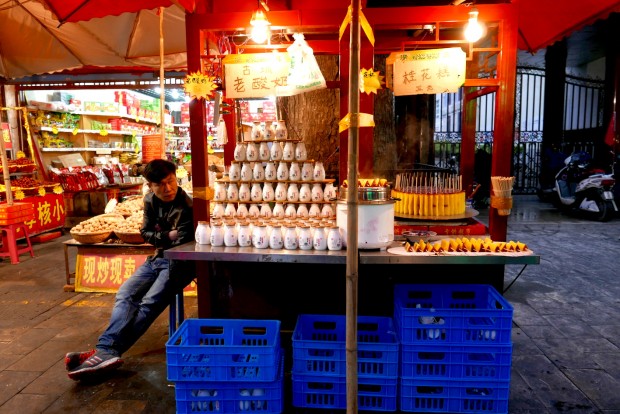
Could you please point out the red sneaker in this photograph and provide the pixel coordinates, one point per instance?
(75, 359)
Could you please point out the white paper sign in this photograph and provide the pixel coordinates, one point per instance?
(428, 71)
(255, 75)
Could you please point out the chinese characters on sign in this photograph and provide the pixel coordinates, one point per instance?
(6, 136)
(430, 71)
(49, 213)
(255, 75)
(103, 272)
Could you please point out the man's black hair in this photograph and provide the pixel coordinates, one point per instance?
(157, 170)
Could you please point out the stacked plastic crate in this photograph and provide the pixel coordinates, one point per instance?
(456, 348)
(226, 366)
(319, 363)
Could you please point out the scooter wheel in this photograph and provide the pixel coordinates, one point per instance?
(605, 210)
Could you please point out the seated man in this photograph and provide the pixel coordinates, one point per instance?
(168, 222)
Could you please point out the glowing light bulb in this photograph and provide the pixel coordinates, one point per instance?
(473, 29)
(260, 27)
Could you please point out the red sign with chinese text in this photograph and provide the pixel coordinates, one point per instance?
(6, 135)
(49, 213)
(99, 271)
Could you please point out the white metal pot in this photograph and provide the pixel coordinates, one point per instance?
(375, 224)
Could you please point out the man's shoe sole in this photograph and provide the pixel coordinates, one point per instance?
(108, 365)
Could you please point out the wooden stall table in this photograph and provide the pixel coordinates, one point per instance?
(280, 284)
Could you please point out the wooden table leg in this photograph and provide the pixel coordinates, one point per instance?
(69, 287)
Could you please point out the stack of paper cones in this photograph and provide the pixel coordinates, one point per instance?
(501, 199)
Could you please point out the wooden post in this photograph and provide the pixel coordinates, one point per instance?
(352, 271)
(162, 84)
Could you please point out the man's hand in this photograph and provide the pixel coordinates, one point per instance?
(173, 235)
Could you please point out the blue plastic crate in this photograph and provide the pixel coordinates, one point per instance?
(466, 362)
(224, 350)
(319, 346)
(464, 314)
(263, 397)
(327, 392)
(441, 396)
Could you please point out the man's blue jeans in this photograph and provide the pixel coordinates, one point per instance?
(139, 301)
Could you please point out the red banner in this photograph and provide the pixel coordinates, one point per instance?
(6, 135)
(49, 213)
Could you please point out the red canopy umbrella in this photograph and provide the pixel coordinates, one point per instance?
(82, 10)
(543, 22)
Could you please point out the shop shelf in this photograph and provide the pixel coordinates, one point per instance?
(463, 314)
(319, 346)
(224, 350)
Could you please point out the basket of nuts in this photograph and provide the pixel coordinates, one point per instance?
(96, 229)
(128, 230)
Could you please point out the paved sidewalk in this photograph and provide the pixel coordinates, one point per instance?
(566, 331)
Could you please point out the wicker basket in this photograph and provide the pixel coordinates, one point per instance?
(130, 238)
(91, 238)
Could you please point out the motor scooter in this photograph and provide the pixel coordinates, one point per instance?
(581, 188)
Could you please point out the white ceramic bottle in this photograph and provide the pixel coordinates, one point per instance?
(307, 171)
(246, 172)
(256, 192)
(276, 240)
(288, 152)
(251, 152)
(258, 172)
(260, 238)
(263, 151)
(268, 192)
(334, 238)
(305, 238)
(232, 192)
(244, 235)
(294, 173)
(276, 151)
(319, 241)
(319, 171)
(282, 172)
(203, 233)
(234, 172)
(257, 131)
(281, 131)
(305, 194)
(218, 211)
(217, 234)
(240, 150)
(230, 234)
(271, 171)
(244, 192)
(317, 192)
(290, 237)
(280, 192)
(300, 151)
(292, 193)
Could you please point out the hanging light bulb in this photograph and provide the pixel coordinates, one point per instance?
(260, 31)
(473, 29)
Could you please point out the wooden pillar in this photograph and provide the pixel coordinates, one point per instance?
(553, 111)
(365, 160)
(504, 116)
(200, 160)
(468, 129)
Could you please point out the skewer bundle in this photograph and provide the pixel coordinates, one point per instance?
(502, 194)
(429, 194)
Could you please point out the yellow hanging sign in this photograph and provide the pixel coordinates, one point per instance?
(371, 81)
(363, 22)
(198, 85)
(363, 120)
